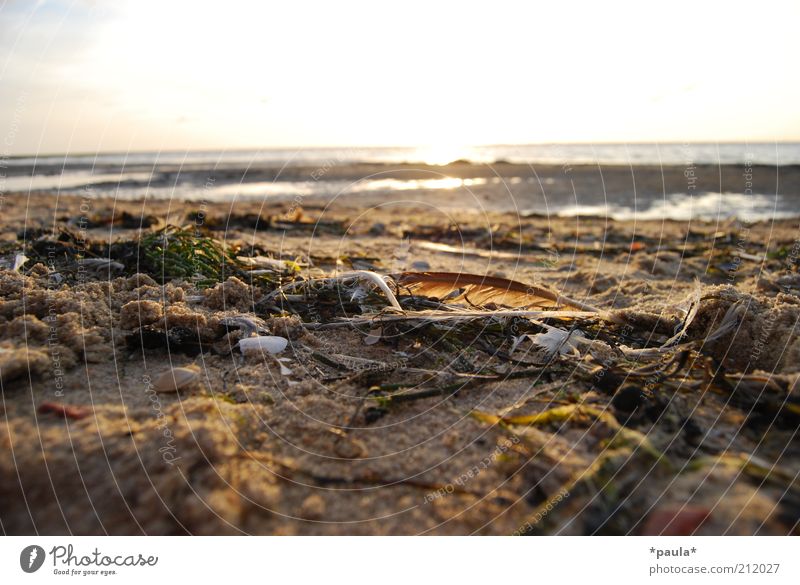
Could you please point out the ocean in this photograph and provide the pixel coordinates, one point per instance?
(272, 174)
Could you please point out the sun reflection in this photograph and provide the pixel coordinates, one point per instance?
(416, 184)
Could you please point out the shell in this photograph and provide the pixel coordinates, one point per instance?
(374, 336)
(264, 343)
(175, 379)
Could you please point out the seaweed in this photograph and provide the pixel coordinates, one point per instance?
(169, 253)
(173, 252)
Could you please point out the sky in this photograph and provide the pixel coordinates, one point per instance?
(81, 76)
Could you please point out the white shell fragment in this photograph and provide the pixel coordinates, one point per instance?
(175, 379)
(374, 336)
(264, 343)
(19, 261)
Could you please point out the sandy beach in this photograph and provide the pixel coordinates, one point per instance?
(667, 404)
(317, 269)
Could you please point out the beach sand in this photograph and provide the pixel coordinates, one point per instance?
(89, 446)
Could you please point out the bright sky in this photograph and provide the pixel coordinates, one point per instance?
(80, 76)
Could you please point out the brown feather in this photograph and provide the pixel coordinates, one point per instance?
(478, 290)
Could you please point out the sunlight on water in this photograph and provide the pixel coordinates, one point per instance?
(679, 206)
(83, 179)
(288, 189)
(420, 184)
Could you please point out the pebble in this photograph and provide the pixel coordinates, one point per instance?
(377, 229)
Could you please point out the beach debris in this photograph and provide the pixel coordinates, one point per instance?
(101, 265)
(68, 411)
(476, 253)
(176, 379)
(481, 290)
(419, 318)
(351, 281)
(730, 321)
(252, 346)
(265, 264)
(556, 341)
(377, 280)
(581, 414)
(55, 278)
(248, 325)
(285, 370)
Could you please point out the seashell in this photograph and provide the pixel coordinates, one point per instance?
(285, 370)
(175, 379)
(261, 344)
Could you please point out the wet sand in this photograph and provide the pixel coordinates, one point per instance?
(544, 189)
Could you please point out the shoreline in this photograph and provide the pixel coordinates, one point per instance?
(625, 192)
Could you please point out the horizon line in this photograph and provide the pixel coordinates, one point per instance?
(379, 147)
